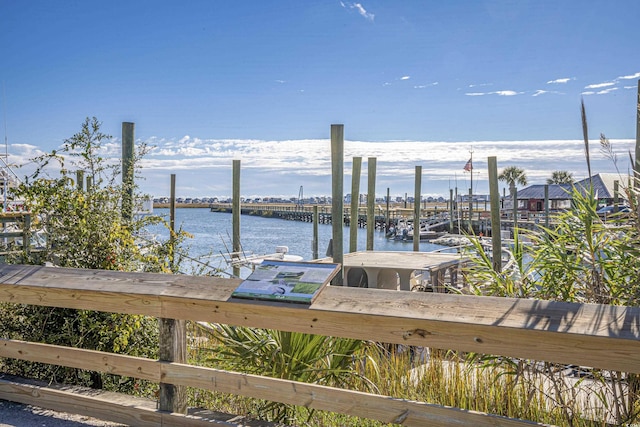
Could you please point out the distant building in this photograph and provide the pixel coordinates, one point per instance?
(532, 198)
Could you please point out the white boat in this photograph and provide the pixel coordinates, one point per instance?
(404, 231)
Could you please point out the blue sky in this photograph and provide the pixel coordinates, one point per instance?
(413, 82)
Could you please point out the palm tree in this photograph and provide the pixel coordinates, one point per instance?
(560, 177)
(513, 175)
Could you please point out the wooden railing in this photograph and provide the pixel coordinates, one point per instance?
(593, 335)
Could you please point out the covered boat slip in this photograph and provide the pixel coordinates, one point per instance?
(395, 270)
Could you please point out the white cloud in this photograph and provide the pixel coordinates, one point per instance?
(630, 77)
(360, 9)
(506, 93)
(605, 91)
(291, 163)
(425, 86)
(481, 84)
(542, 92)
(560, 81)
(497, 92)
(405, 77)
(589, 92)
(599, 85)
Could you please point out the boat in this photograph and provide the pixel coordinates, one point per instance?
(404, 231)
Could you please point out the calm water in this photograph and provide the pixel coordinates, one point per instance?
(212, 235)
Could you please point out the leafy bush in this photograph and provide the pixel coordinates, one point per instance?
(84, 228)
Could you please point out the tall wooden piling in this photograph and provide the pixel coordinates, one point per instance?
(471, 209)
(127, 170)
(172, 332)
(494, 195)
(172, 222)
(235, 213)
(371, 201)
(451, 206)
(355, 203)
(314, 244)
(337, 204)
(546, 205)
(515, 210)
(387, 218)
(80, 180)
(636, 164)
(416, 208)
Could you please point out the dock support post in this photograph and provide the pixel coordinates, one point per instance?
(173, 333)
(636, 165)
(616, 196)
(314, 244)
(546, 205)
(355, 203)
(337, 201)
(416, 209)
(127, 170)
(172, 222)
(371, 201)
(471, 210)
(451, 204)
(514, 191)
(388, 219)
(494, 194)
(80, 180)
(235, 214)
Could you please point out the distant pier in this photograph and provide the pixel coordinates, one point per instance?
(294, 212)
(481, 217)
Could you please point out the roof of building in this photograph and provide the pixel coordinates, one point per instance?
(603, 188)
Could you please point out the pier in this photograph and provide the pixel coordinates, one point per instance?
(481, 216)
(294, 212)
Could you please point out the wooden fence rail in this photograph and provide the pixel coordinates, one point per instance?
(593, 335)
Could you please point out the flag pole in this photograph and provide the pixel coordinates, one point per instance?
(471, 171)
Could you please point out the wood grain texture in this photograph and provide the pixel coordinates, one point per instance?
(382, 408)
(584, 334)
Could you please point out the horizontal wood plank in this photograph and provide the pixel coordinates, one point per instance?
(359, 404)
(584, 334)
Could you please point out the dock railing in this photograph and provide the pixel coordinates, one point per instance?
(599, 336)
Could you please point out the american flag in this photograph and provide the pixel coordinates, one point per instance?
(468, 166)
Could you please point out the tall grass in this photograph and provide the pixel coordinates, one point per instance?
(433, 376)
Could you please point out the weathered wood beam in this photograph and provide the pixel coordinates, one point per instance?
(594, 335)
(354, 403)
